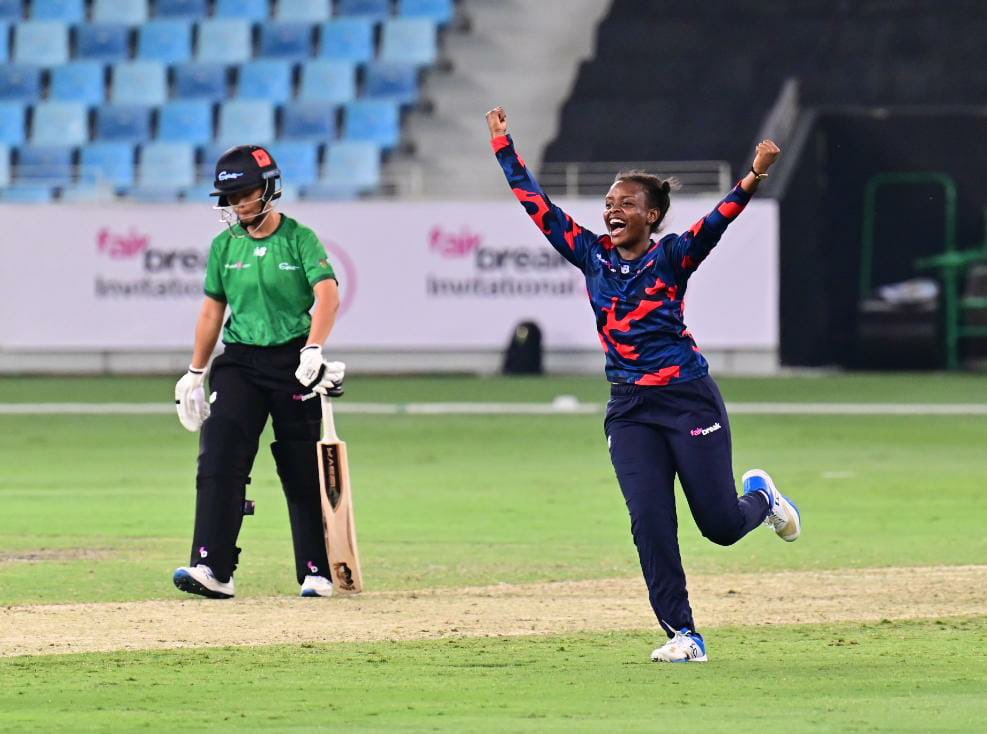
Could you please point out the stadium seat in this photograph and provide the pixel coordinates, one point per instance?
(191, 9)
(41, 42)
(85, 193)
(252, 10)
(59, 123)
(13, 129)
(246, 121)
(4, 41)
(349, 39)
(166, 166)
(11, 9)
(224, 41)
(107, 163)
(102, 41)
(186, 120)
(328, 80)
(68, 11)
(298, 161)
(208, 155)
(139, 83)
(374, 121)
(376, 9)
(309, 11)
(27, 194)
(78, 81)
(350, 169)
(128, 12)
(268, 79)
(4, 164)
(200, 81)
(395, 82)
(19, 81)
(441, 11)
(168, 41)
(286, 40)
(124, 123)
(409, 41)
(314, 121)
(48, 165)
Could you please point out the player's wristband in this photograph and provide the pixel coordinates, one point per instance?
(757, 175)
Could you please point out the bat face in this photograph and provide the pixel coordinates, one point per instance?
(337, 516)
(332, 479)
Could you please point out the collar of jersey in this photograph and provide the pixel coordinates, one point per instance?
(637, 260)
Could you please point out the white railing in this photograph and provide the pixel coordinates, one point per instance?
(590, 179)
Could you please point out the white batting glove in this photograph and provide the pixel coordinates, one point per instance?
(190, 399)
(332, 378)
(311, 366)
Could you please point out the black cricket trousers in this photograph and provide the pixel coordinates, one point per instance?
(654, 434)
(251, 383)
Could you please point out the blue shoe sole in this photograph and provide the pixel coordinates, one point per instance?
(184, 582)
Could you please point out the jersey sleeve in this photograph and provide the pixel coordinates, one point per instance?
(315, 261)
(214, 272)
(568, 238)
(691, 247)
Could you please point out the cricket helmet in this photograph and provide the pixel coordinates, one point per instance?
(243, 168)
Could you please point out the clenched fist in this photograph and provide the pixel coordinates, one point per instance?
(765, 154)
(497, 122)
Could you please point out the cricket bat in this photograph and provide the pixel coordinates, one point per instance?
(337, 507)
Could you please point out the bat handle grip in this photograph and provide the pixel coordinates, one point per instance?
(328, 424)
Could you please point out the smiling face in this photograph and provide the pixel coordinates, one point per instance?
(627, 214)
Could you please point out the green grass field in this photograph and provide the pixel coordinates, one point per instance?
(99, 509)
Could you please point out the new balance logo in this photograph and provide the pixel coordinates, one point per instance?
(705, 431)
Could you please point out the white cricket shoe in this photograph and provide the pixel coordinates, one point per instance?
(783, 514)
(199, 579)
(316, 586)
(685, 647)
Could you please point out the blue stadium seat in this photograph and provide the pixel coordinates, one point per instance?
(191, 9)
(102, 41)
(200, 81)
(409, 41)
(313, 121)
(18, 81)
(186, 120)
(13, 129)
(107, 163)
(128, 12)
(4, 41)
(139, 83)
(41, 42)
(78, 81)
(68, 11)
(252, 10)
(350, 39)
(4, 165)
(48, 165)
(224, 41)
(376, 9)
(166, 166)
(350, 169)
(208, 155)
(85, 193)
(309, 11)
(286, 40)
(298, 161)
(395, 82)
(441, 11)
(246, 121)
(168, 41)
(268, 79)
(59, 123)
(374, 121)
(27, 194)
(124, 123)
(328, 80)
(11, 9)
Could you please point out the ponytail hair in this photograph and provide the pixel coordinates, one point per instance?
(656, 191)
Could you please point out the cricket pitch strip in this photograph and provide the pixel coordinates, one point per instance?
(565, 607)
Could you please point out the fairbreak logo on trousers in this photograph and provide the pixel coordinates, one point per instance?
(705, 431)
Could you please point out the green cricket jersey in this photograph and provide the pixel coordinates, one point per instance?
(267, 282)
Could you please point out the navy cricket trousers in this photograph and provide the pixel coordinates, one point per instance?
(654, 434)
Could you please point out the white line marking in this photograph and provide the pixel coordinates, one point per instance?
(846, 409)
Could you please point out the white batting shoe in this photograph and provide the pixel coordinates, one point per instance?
(783, 514)
(199, 579)
(685, 647)
(316, 586)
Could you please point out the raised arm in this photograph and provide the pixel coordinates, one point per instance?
(568, 238)
(695, 244)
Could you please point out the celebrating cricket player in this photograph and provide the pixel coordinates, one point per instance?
(269, 270)
(665, 416)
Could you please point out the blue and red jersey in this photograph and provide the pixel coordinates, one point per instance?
(637, 303)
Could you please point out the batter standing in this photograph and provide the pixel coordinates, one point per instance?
(269, 270)
(665, 416)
